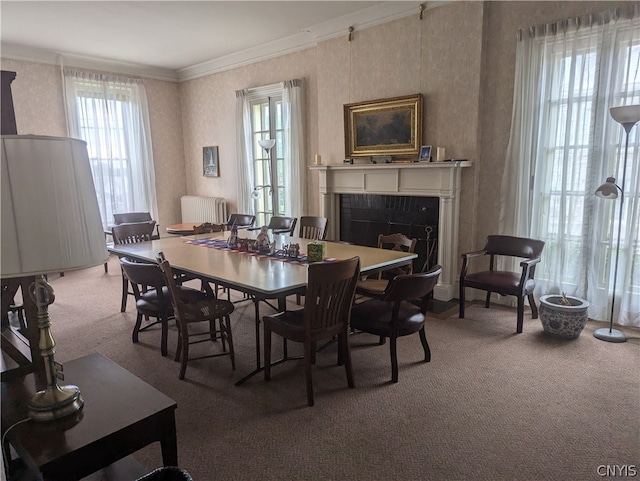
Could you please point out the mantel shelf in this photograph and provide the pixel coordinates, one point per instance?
(396, 165)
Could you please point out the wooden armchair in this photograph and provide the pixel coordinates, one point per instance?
(519, 284)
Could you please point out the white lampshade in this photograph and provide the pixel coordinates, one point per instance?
(625, 114)
(50, 217)
(267, 143)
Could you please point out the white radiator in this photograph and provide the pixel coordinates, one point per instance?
(196, 208)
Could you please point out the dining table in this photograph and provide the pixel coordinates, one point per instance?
(261, 276)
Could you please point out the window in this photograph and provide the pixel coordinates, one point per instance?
(110, 115)
(564, 144)
(268, 165)
(271, 182)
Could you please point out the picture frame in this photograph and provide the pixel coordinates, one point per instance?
(384, 127)
(210, 161)
(425, 153)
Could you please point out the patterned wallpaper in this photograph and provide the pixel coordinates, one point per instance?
(461, 56)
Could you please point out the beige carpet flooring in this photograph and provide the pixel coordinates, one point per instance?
(491, 404)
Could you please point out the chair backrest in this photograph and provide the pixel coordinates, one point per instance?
(144, 274)
(282, 225)
(312, 227)
(398, 242)
(132, 233)
(513, 246)
(182, 311)
(406, 287)
(129, 217)
(207, 228)
(329, 295)
(241, 220)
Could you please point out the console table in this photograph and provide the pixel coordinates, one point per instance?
(121, 415)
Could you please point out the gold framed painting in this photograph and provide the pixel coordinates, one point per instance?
(384, 127)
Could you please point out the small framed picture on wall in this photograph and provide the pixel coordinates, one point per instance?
(210, 161)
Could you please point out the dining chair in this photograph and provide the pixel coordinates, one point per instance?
(202, 309)
(242, 221)
(280, 225)
(131, 233)
(394, 314)
(329, 295)
(507, 283)
(132, 217)
(376, 286)
(312, 227)
(207, 228)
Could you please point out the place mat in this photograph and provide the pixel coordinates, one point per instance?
(222, 244)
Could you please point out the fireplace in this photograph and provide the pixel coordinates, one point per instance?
(432, 185)
(364, 216)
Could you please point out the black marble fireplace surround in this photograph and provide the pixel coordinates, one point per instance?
(364, 216)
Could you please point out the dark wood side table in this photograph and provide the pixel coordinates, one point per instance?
(121, 415)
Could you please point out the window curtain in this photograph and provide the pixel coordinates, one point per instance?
(245, 153)
(563, 144)
(293, 146)
(292, 100)
(111, 114)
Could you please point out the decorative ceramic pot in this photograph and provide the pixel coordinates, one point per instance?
(562, 320)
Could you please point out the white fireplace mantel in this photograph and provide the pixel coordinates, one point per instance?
(429, 179)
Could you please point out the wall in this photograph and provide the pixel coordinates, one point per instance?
(39, 106)
(461, 56)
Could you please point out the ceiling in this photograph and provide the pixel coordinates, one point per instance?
(179, 40)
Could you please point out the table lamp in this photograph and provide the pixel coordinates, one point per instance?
(50, 224)
(628, 116)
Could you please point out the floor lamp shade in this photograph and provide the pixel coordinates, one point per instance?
(50, 215)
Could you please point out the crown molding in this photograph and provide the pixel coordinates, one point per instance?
(31, 54)
(309, 38)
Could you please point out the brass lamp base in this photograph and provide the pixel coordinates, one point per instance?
(55, 402)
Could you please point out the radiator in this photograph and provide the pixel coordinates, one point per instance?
(196, 208)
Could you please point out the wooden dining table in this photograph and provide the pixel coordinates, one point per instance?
(261, 277)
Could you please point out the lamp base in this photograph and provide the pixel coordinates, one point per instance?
(610, 335)
(55, 402)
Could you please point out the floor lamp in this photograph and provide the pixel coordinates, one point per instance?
(628, 116)
(50, 224)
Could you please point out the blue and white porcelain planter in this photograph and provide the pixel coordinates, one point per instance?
(562, 320)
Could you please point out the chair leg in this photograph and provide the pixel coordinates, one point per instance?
(425, 345)
(125, 293)
(136, 328)
(487, 300)
(185, 358)
(394, 358)
(534, 307)
(346, 356)
(164, 324)
(308, 348)
(179, 347)
(382, 340)
(267, 353)
(461, 304)
(520, 314)
(227, 333)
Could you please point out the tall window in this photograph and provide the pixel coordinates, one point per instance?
(111, 115)
(564, 144)
(271, 182)
(268, 165)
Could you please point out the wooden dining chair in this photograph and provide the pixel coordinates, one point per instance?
(329, 294)
(242, 221)
(394, 314)
(133, 217)
(376, 286)
(280, 225)
(207, 228)
(312, 227)
(131, 233)
(197, 310)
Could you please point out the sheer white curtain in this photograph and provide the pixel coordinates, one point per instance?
(111, 114)
(295, 175)
(564, 144)
(245, 153)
